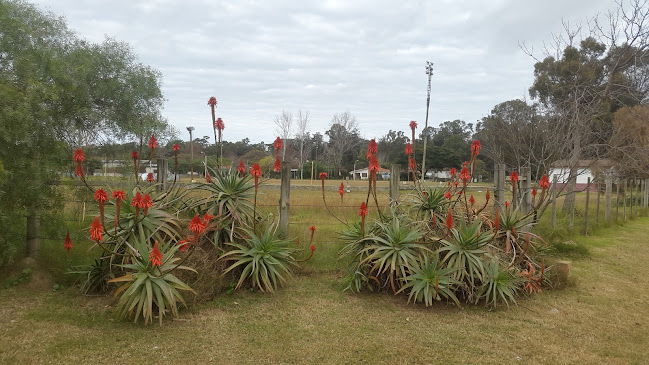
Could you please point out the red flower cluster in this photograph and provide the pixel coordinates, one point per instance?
(362, 211)
(448, 195)
(255, 171)
(79, 157)
(183, 245)
(156, 256)
(136, 203)
(449, 220)
(322, 176)
(411, 164)
(372, 149)
(211, 101)
(67, 243)
(408, 149)
(96, 230)
(413, 125)
(149, 177)
(101, 197)
(513, 178)
(475, 149)
(471, 200)
(544, 183)
(153, 142)
(197, 226)
(135, 155)
(118, 195)
(312, 229)
(146, 203)
(453, 173)
(208, 178)
(219, 125)
(277, 167)
(278, 144)
(176, 148)
(465, 176)
(241, 168)
(341, 191)
(374, 166)
(533, 192)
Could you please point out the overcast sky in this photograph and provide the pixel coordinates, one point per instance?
(367, 57)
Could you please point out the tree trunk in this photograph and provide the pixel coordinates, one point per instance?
(33, 235)
(572, 177)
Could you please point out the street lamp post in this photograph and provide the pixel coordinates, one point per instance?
(429, 72)
(191, 149)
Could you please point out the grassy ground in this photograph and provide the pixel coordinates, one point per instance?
(603, 319)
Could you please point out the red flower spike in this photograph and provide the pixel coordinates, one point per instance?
(67, 243)
(465, 176)
(363, 210)
(506, 204)
(475, 148)
(513, 178)
(277, 167)
(146, 203)
(453, 172)
(96, 230)
(544, 183)
(255, 172)
(408, 149)
(448, 195)
(183, 245)
(487, 196)
(78, 156)
(312, 248)
(322, 176)
(534, 192)
(156, 255)
(212, 101)
(219, 125)
(411, 164)
(471, 200)
(197, 226)
(207, 218)
(312, 229)
(449, 220)
(101, 196)
(78, 171)
(118, 195)
(153, 142)
(137, 201)
(456, 183)
(341, 191)
(149, 177)
(208, 178)
(241, 168)
(372, 149)
(278, 145)
(176, 148)
(135, 155)
(374, 165)
(413, 125)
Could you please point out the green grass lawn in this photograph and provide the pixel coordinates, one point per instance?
(603, 319)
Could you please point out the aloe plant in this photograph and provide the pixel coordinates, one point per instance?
(500, 285)
(429, 282)
(464, 251)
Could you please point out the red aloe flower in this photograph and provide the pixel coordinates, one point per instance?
(255, 171)
(506, 204)
(135, 155)
(183, 245)
(101, 197)
(471, 200)
(456, 183)
(207, 217)
(448, 195)
(362, 211)
(487, 196)
(411, 164)
(408, 149)
(413, 126)
(208, 178)
(312, 229)
(212, 101)
(341, 191)
(449, 220)
(312, 248)
(322, 176)
(513, 178)
(278, 145)
(534, 192)
(277, 167)
(176, 148)
(465, 176)
(197, 226)
(146, 203)
(153, 142)
(67, 243)
(475, 148)
(374, 165)
(156, 255)
(137, 202)
(544, 183)
(453, 172)
(78, 171)
(241, 168)
(119, 196)
(78, 155)
(96, 230)
(219, 125)
(149, 177)
(372, 149)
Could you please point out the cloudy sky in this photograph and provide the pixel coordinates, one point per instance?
(367, 57)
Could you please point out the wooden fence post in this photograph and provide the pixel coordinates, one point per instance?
(526, 189)
(395, 171)
(631, 196)
(499, 186)
(161, 172)
(284, 200)
(624, 201)
(607, 199)
(555, 180)
(599, 193)
(586, 211)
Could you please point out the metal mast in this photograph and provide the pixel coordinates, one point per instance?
(429, 72)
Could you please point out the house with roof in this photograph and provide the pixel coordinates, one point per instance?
(584, 169)
(364, 174)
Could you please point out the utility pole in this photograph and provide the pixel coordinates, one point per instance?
(429, 72)
(191, 149)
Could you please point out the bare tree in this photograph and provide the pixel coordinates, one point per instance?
(284, 124)
(302, 135)
(344, 138)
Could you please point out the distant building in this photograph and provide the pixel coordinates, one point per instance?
(364, 174)
(585, 169)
